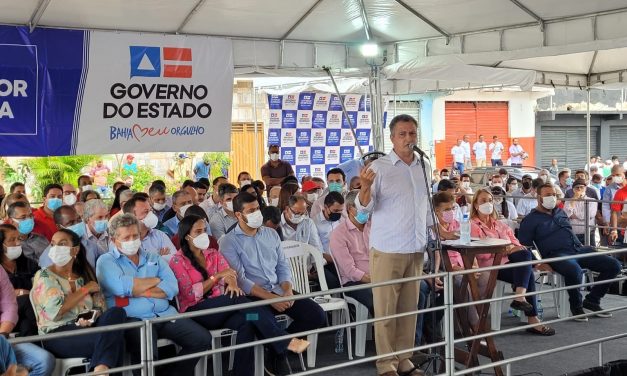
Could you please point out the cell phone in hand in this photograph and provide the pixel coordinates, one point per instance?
(89, 316)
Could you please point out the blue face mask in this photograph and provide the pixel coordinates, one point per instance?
(25, 226)
(101, 226)
(362, 217)
(78, 229)
(54, 203)
(569, 181)
(336, 187)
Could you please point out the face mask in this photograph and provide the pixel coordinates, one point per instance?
(311, 197)
(101, 226)
(25, 226)
(465, 184)
(201, 241)
(54, 203)
(549, 202)
(158, 206)
(274, 202)
(14, 252)
(486, 208)
(333, 217)
(78, 229)
(513, 186)
(498, 201)
(526, 185)
(444, 176)
(544, 178)
(336, 187)
(569, 181)
(229, 205)
(618, 179)
(497, 184)
(69, 199)
(597, 185)
(362, 217)
(60, 255)
(151, 220)
(244, 182)
(130, 247)
(184, 209)
(87, 188)
(297, 218)
(448, 216)
(255, 219)
(274, 157)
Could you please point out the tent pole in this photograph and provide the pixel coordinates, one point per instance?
(256, 125)
(587, 234)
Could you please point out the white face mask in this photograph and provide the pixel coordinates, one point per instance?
(514, 186)
(486, 208)
(497, 184)
(87, 188)
(184, 209)
(69, 199)
(130, 247)
(618, 179)
(255, 219)
(60, 255)
(465, 184)
(158, 206)
(274, 202)
(311, 197)
(544, 178)
(297, 218)
(14, 252)
(274, 157)
(549, 202)
(201, 241)
(151, 220)
(244, 182)
(229, 205)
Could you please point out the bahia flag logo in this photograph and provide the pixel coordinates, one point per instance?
(171, 62)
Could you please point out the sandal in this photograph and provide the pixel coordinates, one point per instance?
(522, 306)
(298, 346)
(544, 331)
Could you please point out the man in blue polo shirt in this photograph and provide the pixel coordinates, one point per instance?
(142, 283)
(549, 228)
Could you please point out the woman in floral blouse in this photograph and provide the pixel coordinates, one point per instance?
(66, 289)
(206, 281)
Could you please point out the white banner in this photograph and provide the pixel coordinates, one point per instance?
(148, 92)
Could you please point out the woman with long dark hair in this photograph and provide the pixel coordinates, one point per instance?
(206, 281)
(66, 296)
(116, 206)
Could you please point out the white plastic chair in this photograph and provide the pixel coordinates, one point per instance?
(298, 255)
(63, 366)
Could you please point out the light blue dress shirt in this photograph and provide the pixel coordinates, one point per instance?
(258, 260)
(172, 224)
(351, 168)
(116, 273)
(155, 240)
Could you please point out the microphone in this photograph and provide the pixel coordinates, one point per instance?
(419, 151)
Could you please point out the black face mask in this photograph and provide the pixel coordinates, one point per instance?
(333, 217)
(526, 184)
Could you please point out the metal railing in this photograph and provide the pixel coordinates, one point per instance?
(148, 361)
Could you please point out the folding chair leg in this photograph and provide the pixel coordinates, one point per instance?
(216, 343)
(311, 351)
(232, 352)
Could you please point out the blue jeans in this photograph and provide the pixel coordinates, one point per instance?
(362, 296)
(607, 267)
(39, 361)
(7, 356)
(460, 167)
(521, 276)
(425, 289)
(497, 162)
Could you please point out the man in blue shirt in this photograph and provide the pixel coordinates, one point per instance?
(152, 238)
(254, 252)
(157, 195)
(142, 283)
(549, 228)
(180, 200)
(202, 168)
(129, 167)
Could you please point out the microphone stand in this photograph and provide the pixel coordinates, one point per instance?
(433, 246)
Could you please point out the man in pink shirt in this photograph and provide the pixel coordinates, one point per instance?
(349, 245)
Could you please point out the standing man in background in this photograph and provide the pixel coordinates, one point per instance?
(496, 147)
(466, 146)
(394, 190)
(202, 168)
(459, 156)
(99, 174)
(130, 167)
(517, 153)
(275, 170)
(479, 148)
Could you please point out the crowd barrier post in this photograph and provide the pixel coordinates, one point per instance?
(449, 325)
(150, 356)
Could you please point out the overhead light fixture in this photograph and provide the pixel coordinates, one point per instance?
(369, 49)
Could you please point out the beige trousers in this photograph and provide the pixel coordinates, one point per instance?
(395, 334)
(481, 162)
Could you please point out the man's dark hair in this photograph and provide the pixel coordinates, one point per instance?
(294, 199)
(289, 180)
(78, 181)
(15, 185)
(464, 175)
(227, 188)
(562, 173)
(259, 185)
(204, 181)
(129, 206)
(614, 157)
(332, 198)
(241, 199)
(187, 183)
(15, 205)
(535, 183)
(402, 118)
(156, 188)
(446, 184)
(216, 180)
(242, 173)
(58, 214)
(49, 187)
(158, 182)
(271, 213)
(443, 170)
(495, 137)
(141, 194)
(542, 186)
(199, 185)
(503, 171)
(442, 198)
(336, 171)
(581, 172)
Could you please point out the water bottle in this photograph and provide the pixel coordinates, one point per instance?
(513, 313)
(339, 341)
(540, 309)
(465, 230)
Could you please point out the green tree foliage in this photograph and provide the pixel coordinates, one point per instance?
(220, 163)
(46, 170)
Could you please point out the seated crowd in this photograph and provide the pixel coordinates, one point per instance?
(76, 262)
